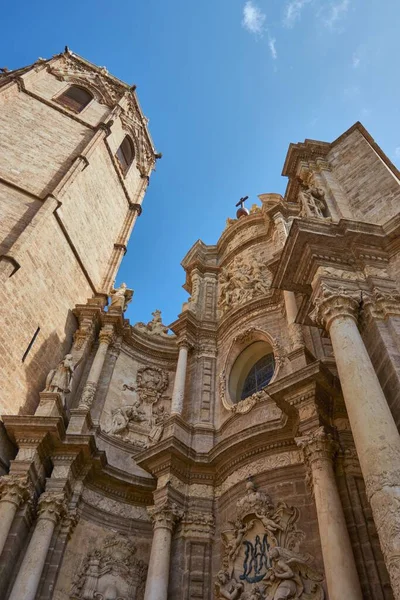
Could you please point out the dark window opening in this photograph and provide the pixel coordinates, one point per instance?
(125, 154)
(259, 376)
(30, 344)
(75, 98)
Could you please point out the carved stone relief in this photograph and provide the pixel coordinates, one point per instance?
(140, 421)
(262, 558)
(242, 280)
(111, 571)
(312, 198)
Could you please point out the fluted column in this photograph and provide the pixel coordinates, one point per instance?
(51, 508)
(164, 519)
(180, 379)
(340, 567)
(105, 338)
(375, 433)
(14, 491)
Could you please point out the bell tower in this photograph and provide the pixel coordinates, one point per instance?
(76, 160)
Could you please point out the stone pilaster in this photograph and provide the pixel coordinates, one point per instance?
(51, 508)
(375, 433)
(164, 519)
(340, 568)
(178, 393)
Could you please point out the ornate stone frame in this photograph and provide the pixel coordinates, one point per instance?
(239, 344)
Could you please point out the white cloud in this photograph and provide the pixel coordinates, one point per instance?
(335, 12)
(253, 18)
(355, 61)
(293, 12)
(272, 47)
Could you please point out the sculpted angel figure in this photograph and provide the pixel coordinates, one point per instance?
(227, 587)
(288, 576)
(313, 200)
(157, 425)
(123, 415)
(240, 530)
(59, 379)
(269, 524)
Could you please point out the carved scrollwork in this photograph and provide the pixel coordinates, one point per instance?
(112, 567)
(261, 558)
(151, 383)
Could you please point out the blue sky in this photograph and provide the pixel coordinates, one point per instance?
(227, 85)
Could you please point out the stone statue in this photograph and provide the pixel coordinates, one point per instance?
(120, 298)
(312, 200)
(155, 326)
(59, 379)
(157, 425)
(240, 530)
(121, 417)
(227, 587)
(241, 281)
(290, 577)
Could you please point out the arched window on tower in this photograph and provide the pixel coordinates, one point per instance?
(259, 376)
(75, 98)
(125, 154)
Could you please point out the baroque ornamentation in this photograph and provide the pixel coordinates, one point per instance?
(122, 416)
(88, 394)
(154, 327)
(244, 279)
(330, 303)
(262, 560)
(166, 515)
(111, 571)
(15, 489)
(52, 506)
(151, 383)
(59, 380)
(312, 198)
(195, 523)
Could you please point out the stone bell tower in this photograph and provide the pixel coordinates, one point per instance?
(76, 160)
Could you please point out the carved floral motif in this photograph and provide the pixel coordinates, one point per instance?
(262, 560)
(15, 489)
(111, 571)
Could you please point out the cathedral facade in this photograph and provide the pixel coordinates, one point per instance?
(248, 451)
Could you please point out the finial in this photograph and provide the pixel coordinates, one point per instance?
(242, 211)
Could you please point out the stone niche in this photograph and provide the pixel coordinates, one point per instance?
(138, 402)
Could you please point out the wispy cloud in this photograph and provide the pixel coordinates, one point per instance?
(292, 12)
(272, 47)
(335, 12)
(355, 61)
(253, 18)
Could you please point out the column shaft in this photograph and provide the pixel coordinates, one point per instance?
(340, 568)
(158, 574)
(30, 572)
(179, 383)
(7, 514)
(95, 370)
(375, 435)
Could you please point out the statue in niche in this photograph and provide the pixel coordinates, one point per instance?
(122, 416)
(155, 326)
(120, 298)
(312, 198)
(261, 559)
(157, 425)
(59, 379)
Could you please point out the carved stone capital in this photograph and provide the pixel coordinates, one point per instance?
(51, 506)
(196, 523)
(331, 303)
(382, 303)
(106, 335)
(317, 446)
(166, 516)
(15, 489)
(88, 394)
(69, 522)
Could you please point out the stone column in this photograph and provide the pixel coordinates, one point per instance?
(14, 491)
(180, 378)
(164, 519)
(340, 567)
(105, 338)
(295, 330)
(375, 433)
(50, 509)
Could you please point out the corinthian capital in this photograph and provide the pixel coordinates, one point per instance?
(317, 446)
(106, 335)
(382, 302)
(166, 515)
(333, 302)
(51, 506)
(15, 489)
